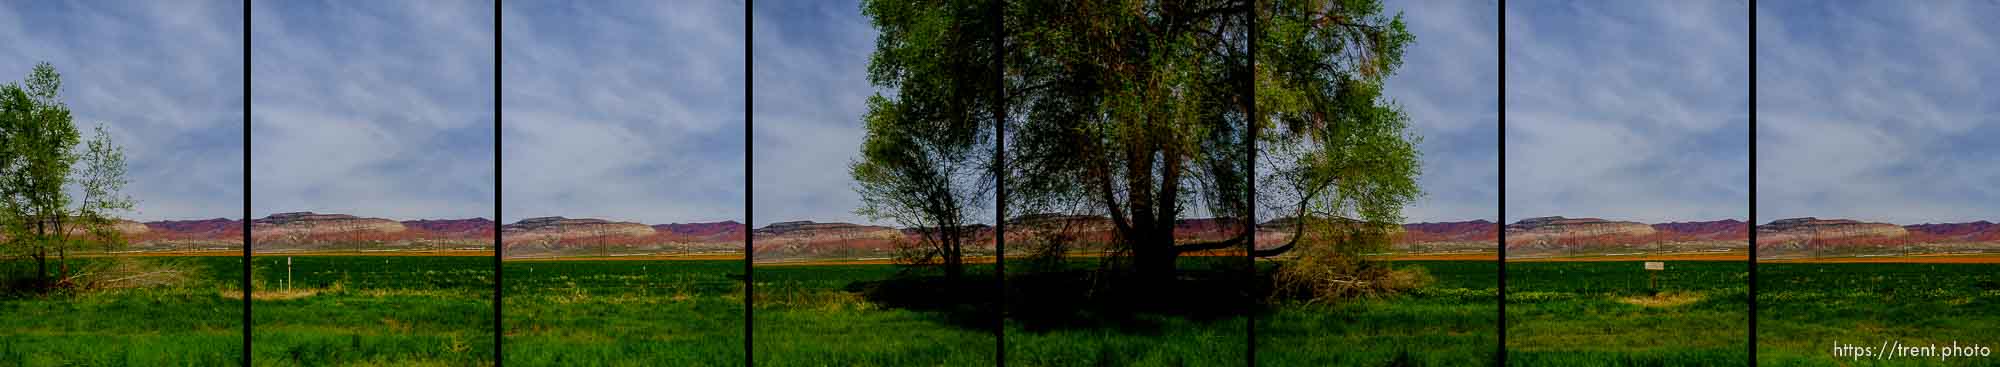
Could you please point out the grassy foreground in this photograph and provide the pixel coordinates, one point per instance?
(1452, 322)
(1602, 314)
(610, 312)
(818, 315)
(373, 311)
(189, 322)
(1804, 309)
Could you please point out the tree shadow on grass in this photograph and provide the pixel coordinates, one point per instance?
(966, 303)
(1069, 300)
(1078, 299)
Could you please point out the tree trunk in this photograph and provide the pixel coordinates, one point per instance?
(62, 249)
(1153, 255)
(41, 255)
(954, 261)
(42, 268)
(62, 262)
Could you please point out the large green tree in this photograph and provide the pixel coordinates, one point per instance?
(927, 160)
(1144, 110)
(1334, 152)
(1135, 110)
(40, 214)
(1150, 112)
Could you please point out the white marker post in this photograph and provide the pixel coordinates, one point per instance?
(1653, 269)
(288, 273)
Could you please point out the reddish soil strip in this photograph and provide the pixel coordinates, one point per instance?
(378, 253)
(968, 260)
(1918, 259)
(634, 258)
(223, 253)
(1444, 257)
(1724, 256)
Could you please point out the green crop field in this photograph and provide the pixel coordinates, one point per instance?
(373, 311)
(1601, 313)
(1452, 322)
(817, 315)
(1804, 309)
(191, 321)
(623, 313)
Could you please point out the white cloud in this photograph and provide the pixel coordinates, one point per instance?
(373, 108)
(1448, 86)
(1627, 112)
(165, 80)
(811, 85)
(624, 110)
(1877, 111)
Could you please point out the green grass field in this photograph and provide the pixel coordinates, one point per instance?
(813, 315)
(1602, 314)
(187, 323)
(404, 310)
(623, 313)
(1452, 322)
(1804, 309)
(373, 311)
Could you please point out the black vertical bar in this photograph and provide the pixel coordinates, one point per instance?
(499, 331)
(749, 192)
(1250, 189)
(1753, 183)
(999, 19)
(1500, 350)
(246, 183)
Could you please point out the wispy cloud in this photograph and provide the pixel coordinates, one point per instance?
(810, 83)
(1628, 110)
(165, 78)
(381, 108)
(630, 110)
(1449, 86)
(1878, 110)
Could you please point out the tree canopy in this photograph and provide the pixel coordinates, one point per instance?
(927, 160)
(39, 157)
(1148, 112)
(1138, 111)
(1332, 146)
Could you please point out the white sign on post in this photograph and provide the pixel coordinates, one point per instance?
(1656, 265)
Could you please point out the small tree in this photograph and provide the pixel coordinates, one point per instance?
(922, 183)
(39, 161)
(927, 160)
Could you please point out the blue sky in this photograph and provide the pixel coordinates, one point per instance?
(1878, 110)
(165, 78)
(1447, 86)
(627, 110)
(811, 86)
(1628, 110)
(374, 108)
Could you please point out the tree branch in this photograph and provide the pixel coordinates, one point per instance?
(1213, 245)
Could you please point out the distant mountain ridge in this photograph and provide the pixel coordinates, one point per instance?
(562, 236)
(1560, 236)
(792, 240)
(308, 231)
(1469, 231)
(218, 234)
(186, 235)
(1812, 237)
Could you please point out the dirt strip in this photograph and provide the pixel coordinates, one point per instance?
(655, 257)
(1916, 259)
(379, 253)
(1722, 256)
